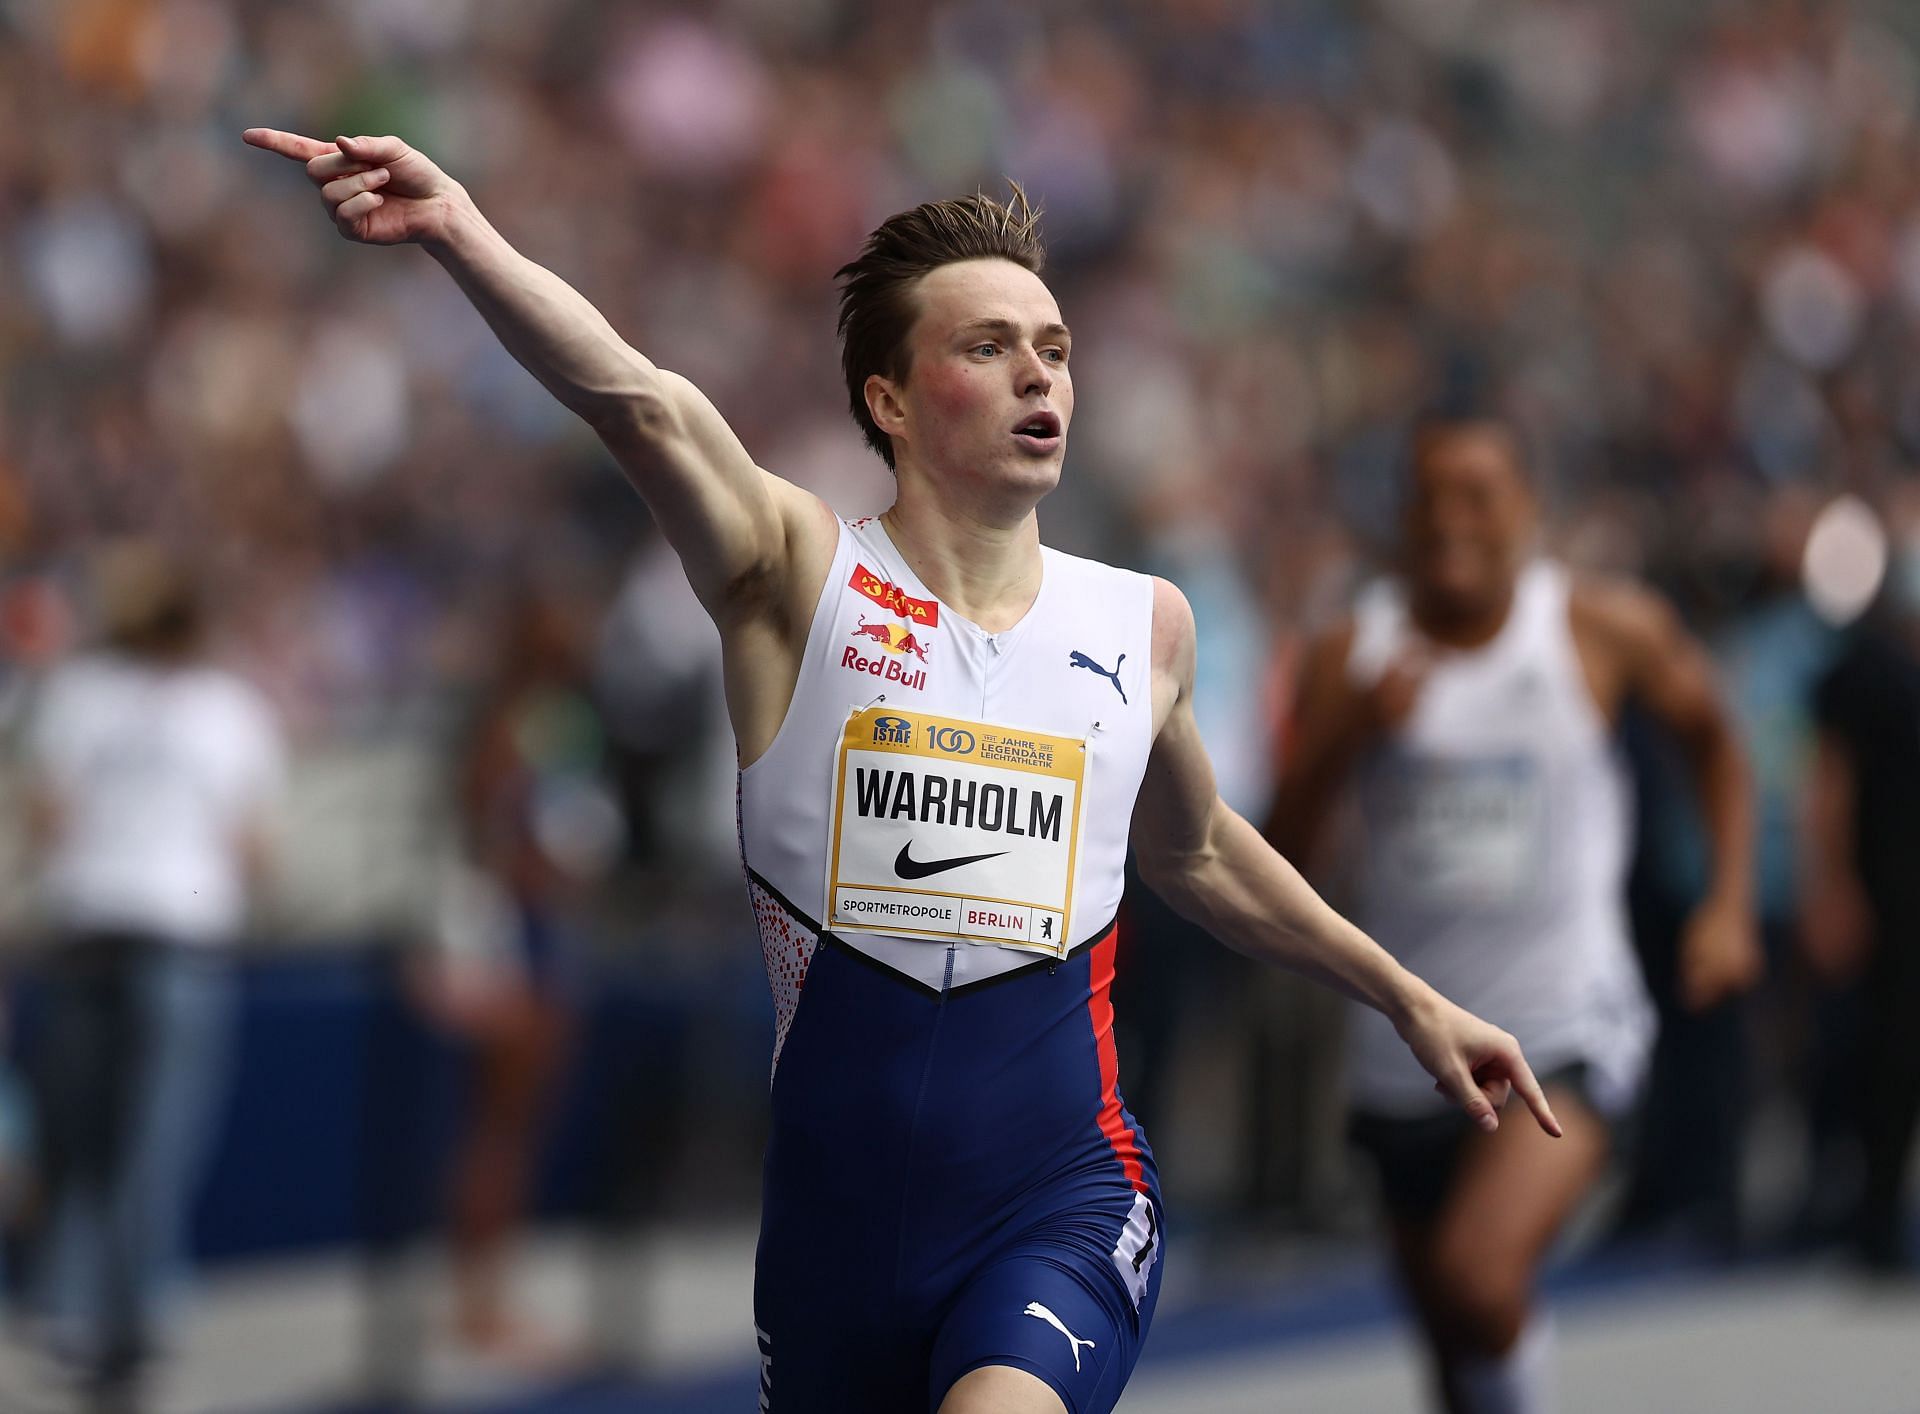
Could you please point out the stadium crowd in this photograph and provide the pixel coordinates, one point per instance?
(1678, 247)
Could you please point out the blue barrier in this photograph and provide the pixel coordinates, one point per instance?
(345, 1105)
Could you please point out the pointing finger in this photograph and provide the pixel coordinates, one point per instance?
(1522, 1076)
(292, 145)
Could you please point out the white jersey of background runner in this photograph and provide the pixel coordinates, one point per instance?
(1496, 833)
(952, 804)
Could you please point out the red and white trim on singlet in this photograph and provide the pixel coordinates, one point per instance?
(788, 942)
(787, 946)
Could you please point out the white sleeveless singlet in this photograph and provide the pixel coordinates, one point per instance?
(952, 804)
(1495, 848)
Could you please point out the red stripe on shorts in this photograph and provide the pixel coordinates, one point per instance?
(1113, 1121)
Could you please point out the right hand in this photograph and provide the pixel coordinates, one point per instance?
(1473, 1063)
(1386, 704)
(378, 190)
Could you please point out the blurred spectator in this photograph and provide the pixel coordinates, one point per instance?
(657, 667)
(1324, 213)
(1710, 1079)
(151, 774)
(1862, 916)
(1680, 246)
(541, 824)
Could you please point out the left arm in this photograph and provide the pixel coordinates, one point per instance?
(1214, 868)
(1653, 659)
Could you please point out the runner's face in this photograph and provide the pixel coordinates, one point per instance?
(1468, 517)
(988, 396)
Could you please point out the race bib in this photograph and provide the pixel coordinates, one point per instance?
(1466, 833)
(954, 830)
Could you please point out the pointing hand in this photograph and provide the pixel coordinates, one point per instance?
(378, 190)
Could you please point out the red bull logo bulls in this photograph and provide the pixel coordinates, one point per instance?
(898, 644)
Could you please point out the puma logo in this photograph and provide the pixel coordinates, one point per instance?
(1041, 1313)
(1077, 659)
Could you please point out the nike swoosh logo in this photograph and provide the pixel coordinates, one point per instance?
(907, 867)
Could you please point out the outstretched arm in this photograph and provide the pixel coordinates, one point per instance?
(1214, 867)
(732, 524)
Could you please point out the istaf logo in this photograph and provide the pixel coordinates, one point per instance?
(893, 731)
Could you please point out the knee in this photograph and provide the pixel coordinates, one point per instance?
(1482, 1303)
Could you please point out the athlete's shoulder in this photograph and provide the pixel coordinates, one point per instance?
(1174, 644)
(1619, 613)
(1175, 636)
(1087, 565)
(810, 522)
(1113, 593)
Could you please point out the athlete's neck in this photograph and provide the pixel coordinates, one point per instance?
(987, 572)
(1456, 625)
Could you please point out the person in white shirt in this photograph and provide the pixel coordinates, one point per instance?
(151, 773)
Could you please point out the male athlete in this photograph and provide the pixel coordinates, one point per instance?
(1471, 706)
(943, 731)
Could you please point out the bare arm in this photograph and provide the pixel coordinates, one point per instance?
(733, 525)
(1332, 725)
(1322, 742)
(1662, 666)
(1212, 866)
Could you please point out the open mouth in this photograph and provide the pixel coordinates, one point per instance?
(1040, 431)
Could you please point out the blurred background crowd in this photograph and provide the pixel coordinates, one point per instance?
(1678, 245)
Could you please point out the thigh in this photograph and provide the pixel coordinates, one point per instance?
(1512, 1193)
(1054, 1315)
(1001, 1389)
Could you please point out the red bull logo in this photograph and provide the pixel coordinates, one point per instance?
(891, 597)
(898, 645)
(895, 638)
